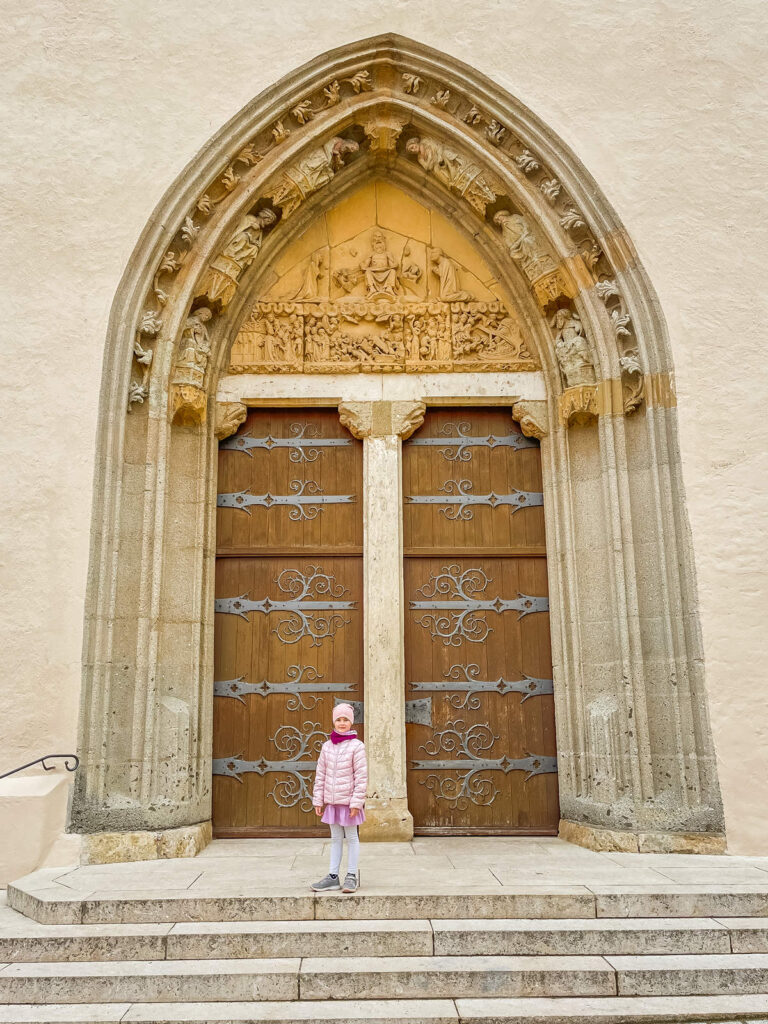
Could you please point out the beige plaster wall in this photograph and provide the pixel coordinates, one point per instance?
(104, 103)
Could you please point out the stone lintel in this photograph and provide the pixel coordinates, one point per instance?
(119, 847)
(606, 840)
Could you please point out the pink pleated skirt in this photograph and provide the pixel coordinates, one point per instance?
(338, 814)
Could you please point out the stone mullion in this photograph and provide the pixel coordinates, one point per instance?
(382, 426)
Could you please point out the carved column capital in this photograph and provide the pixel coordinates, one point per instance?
(382, 419)
(532, 417)
(229, 416)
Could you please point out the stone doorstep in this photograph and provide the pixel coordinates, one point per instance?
(49, 906)
(608, 1010)
(270, 939)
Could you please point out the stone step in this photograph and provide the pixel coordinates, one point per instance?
(360, 978)
(48, 906)
(27, 942)
(150, 981)
(578, 1010)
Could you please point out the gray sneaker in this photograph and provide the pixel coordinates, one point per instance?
(351, 883)
(327, 884)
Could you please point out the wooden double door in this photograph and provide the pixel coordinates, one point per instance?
(289, 632)
(481, 750)
(288, 623)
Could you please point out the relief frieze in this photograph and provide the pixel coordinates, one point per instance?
(380, 337)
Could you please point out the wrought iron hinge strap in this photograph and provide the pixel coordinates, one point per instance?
(458, 499)
(305, 445)
(306, 501)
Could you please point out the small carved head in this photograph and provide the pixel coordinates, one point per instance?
(203, 314)
(266, 217)
(343, 148)
(378, 242)
(413, 145)
(501, 216)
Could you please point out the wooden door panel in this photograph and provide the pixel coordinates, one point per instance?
(442, 464)
(288, 624)
(487, 761)
(307, 477)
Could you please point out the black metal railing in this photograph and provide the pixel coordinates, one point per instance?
(71, 763)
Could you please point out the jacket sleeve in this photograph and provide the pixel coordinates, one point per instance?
(360, 767)
(319, 788)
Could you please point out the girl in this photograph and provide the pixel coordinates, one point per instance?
(340, 785)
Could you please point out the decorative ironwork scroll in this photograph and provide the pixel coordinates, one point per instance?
(301, 683)
(298, 745)
(302, 618)
(463, 619)
(463, 678)
(469, 746)
(458, 499)
(307, 500)
(457, 442)
(304, 445)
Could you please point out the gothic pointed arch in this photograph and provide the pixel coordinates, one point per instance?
(634, 742)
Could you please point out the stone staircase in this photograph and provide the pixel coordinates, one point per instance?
(677, 953)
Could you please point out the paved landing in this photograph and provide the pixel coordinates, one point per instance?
(286, 867)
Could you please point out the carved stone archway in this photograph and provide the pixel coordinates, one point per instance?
(636, 761)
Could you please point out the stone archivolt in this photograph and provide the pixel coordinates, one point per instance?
(390, 110)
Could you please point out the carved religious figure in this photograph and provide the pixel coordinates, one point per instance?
(454, 170)
(310, 173)
(572, 349)
(188, 398)
(310, 285)
(220, 281)
(447, 272)
(522, 244)
(380, 269)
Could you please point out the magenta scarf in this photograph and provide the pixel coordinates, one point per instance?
(339, 737)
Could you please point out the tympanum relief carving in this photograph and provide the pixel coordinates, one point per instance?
(374, 298)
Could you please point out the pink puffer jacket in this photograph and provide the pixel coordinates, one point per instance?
(342, 774)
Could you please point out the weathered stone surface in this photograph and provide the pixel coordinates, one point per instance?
(368, 1011)
(451, 977)
(738, 973)
(118, 847)
(299, 939)
(149, 980)
(616, 1010)
(596, 937)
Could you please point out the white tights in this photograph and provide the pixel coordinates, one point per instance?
(338, 834)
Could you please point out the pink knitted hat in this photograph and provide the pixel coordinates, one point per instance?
(344, 711)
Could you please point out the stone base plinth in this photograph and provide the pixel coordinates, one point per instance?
(116, 847)
(387, 821)
(606, 840)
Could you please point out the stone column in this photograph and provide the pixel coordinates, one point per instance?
(383, 426)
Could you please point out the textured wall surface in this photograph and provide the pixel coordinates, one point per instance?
(105, 103)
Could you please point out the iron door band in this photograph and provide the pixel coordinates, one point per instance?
(470, 744)
(457, 436)
(452, 592)
(304, 445)
(307, 590)
(457, 499)
(463, 678)
(306, 501)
